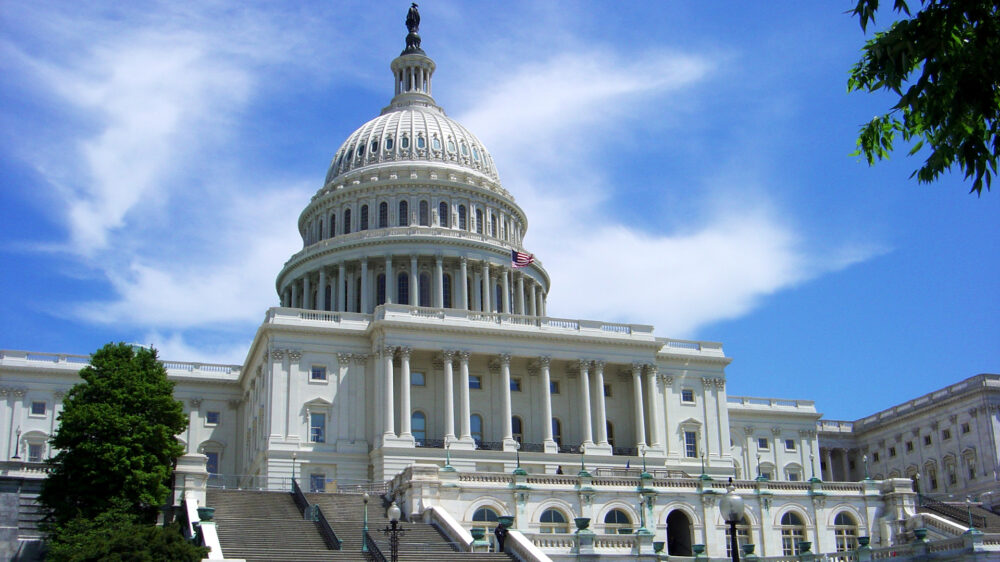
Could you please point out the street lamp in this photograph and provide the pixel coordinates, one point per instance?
(731, 507)
(968, 505)
(364, 529)
(294, 455)
(393, 532)
(864, 458)
(17, 446)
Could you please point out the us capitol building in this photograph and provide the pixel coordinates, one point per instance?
(412, 345)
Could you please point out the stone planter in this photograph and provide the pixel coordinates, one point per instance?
(658, 546)
(748, 549)
(698, 549)
(805, 546)
(206, 513)
(920, 533)
(478, 534)
(864, 541)
(582, 523)
(506, 521)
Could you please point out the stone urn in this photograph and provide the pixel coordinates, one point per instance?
(805, 546)
(206, 513)
(658, 546)
(582, 523)
(864, 541)
(478, 534)
(506, 521)
(698, 549)
(920, 533)
(748, 549)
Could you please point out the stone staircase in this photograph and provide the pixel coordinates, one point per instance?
(984, 519)
(420, 541)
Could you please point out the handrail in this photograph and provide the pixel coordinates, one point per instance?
(952, 512)
(333, 542)
(374, 553)
(300, 499)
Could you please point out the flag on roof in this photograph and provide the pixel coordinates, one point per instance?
(520, 259)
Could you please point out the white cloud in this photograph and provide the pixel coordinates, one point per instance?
(175, 347)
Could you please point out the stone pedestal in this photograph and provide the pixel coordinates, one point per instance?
(190, 478)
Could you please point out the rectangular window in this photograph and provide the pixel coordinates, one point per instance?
(946, 435)
(690, 444)
(789, 444)
(212, 418)
(972, 468)
(965, 427)
(875, 456)
(909, 446)
(554, 387)
(892, 451)
(927, 440)
(475, 382)
(317, 483)
(765, 474)
(34, 452)
(687, 395)
(515, 385)
(317, 428)
(212, 465)
(318, 373)
(763, 444)
(793, 476)
(417, 379)
(38, 408)
(607, 391)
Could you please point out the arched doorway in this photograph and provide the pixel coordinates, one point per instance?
(678, 534)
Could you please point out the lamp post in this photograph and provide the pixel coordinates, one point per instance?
(812, 467)
(364, 528)
(864, 458)
(968, 506)
(393, 531)
(294, 455)
(17, 446)
(731, 507)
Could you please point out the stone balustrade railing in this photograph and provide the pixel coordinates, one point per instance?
(76, 362)
(755, 402)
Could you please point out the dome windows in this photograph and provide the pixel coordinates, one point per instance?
(465, 150)
(436, 143)
(421, 143)
(404, 142)
(404, 213)
(361, 150)
(388, 143)
(475, 154)
(451, 145)
(374, 148)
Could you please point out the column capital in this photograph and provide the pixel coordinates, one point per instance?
(278, 354)
(504, 359)
(583, 365)
(343, 358)
(651, 369)
(359, 358)
(387, 351)
(196, 402)
(404, 353)
(447, 355)
(544, 361)
(637, 368)
(599, 364)
(439, 259)
(295, 354)
(463, 356)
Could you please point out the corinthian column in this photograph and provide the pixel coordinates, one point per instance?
(404, 393)
(449, 396)
(508, 434)
(640, 421)
(463, 283)
(387, 383)
(652, 399)
(550, 444)
(321, 291)
(463, 373)
(588, 435)
(602, 420)
(439, 283)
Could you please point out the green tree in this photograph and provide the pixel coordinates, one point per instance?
(115, 440)
(944, 64)
(116, 536)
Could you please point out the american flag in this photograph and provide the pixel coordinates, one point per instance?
(520, 259)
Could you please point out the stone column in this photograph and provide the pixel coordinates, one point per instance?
(846, 464)
(532, 304)
(389, 429)
(588, 431)
(463, 283)
(439, 283)
(404, 393)
(640, 421)
(602, 420)
(295, 294)
(321, 290)
(390, 284)
(828, 458)
(520, 293)
(550, 444)
(508, 433)
(364, 286)
(414, 283)
(487, 291)
(654, 417)
(449, 395)
(465, 420)
(306, 292)
(506, 290)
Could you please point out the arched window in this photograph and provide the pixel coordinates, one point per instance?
(379, 289)
(493, 226)
(424, 214)
(404, 213)
(486, 519)
(403, 288)
(421, 143)
(557, 431)
(443, 214)
(388, 143)
(347, 221)
(498, 291)
(419, 426)
(553, 521)
(364, 218)
(383, 214)
(845, 530)
(479, 221)
(793, 531)
(476, 424)
(333, 225)
(517, 429)
(446, 279)
(742, 536)
(462, 221)
(617, 522)
(425, 290)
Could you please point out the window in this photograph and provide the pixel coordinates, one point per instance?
(493, 226)
(383, 214)
(212, 418)
(479, 221)
(765, 472)
(451, 145)
(553, 521)
(789, 444)
(212, 464)
(742, 536)
(317, 483)
(970, 463)
(477, 428)
(379, 289)
(425, 215)
(845, 530)
(607, 391)
(945, 434)
(364, 218)
(875, 456)
(465, 150)
(909, 446)
(35, 452)
(927, 440)
(421, 143)
(374, 147)
(892, 452)
(763, 444)
(462, 219)
(317, 427)
(318, 373)
(553, 387)
(404, 142)
(347, 221)
(557, 431)
(443, 214)
(333, 225)
(611, 434)
(690, 444)
(425, 290)
(687, 395)
(793, 531)
(361, 149)
(404, 213)
(436, 143)
(418, 425)
(475, 154)
(403, 288)
(793, 475)
(417, 379)
(475, 382)
(515, 385)
(486, 519)
(517, 429)
(498, 292)
(965, 427)
(617, 522)
(447, 291)
(38, 408)
(388, 143)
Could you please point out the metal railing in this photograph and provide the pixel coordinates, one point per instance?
(333, 542)
(489, 445)
(430, 443)
(956, 513)
(624, 451)
(532, 447)
(300, 499)
(374, 553)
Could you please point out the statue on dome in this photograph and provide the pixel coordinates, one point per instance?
(413, 25)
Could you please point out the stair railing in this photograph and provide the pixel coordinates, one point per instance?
(300, 499)
(952, 512)
(329, 535)
(373, 551)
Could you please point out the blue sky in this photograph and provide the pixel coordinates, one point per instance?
(682, 164)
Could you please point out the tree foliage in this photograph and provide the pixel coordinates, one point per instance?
(944, 64)
(114, 536)
(115, 440)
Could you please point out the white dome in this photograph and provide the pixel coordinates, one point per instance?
(412, 133)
